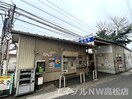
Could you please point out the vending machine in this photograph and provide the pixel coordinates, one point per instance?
(40, 70)
(25, 81)
(119, 63)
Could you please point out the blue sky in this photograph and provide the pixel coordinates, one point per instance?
(88, 11)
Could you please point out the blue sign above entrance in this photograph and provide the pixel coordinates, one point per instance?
(86, 40)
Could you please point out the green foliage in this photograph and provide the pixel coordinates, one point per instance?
(102, 34)
(117, 31)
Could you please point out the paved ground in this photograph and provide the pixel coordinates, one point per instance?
(52, 91)
(71, 89)
(121, 88)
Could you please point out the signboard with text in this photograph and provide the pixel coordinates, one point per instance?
(89, 39)
(5, 82)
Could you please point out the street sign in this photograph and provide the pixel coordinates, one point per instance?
(86, 40)
(89, 39)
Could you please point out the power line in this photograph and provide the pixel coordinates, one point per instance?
(5, 4)
(54, 16)
(70, 15)
(75, 20)
(34, 30)
(52, 31)
(39, 26)
(3, 15)
(3, 8)
(60, 28)
(48, 21)
(39, 31)
(27, 28)
(70, 32)
(37, 17)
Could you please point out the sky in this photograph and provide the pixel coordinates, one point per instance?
(88, 11)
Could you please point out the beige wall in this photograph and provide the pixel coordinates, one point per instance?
(32, 49)
(107, 59)
(26, 53)
(105, 49)
(105, 62)
(128, 59)
(12, 62)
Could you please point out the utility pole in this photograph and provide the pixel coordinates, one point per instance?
(6, 38)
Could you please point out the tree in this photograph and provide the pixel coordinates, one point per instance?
(117, 30)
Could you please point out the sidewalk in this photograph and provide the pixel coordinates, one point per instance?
(53, 91)
(71, 89)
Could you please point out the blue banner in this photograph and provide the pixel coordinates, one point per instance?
(86, 40)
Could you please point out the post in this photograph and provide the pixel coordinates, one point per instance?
(60, 78)
(82, 77)
(64, 81)
(6, 37)
(11, 83)
(94, 75)
(87, 60)
(60, 81)
(6, 60)
(95, 65)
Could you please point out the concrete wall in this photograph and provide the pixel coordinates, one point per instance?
(105, 61)
(32, 49)
(128, 59)
(105, 49)
(12, 62)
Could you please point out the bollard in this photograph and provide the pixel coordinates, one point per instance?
(60, 78)
(94, 75)
(82, 77)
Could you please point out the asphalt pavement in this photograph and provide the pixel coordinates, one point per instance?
(108, 86)
(119, 88)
